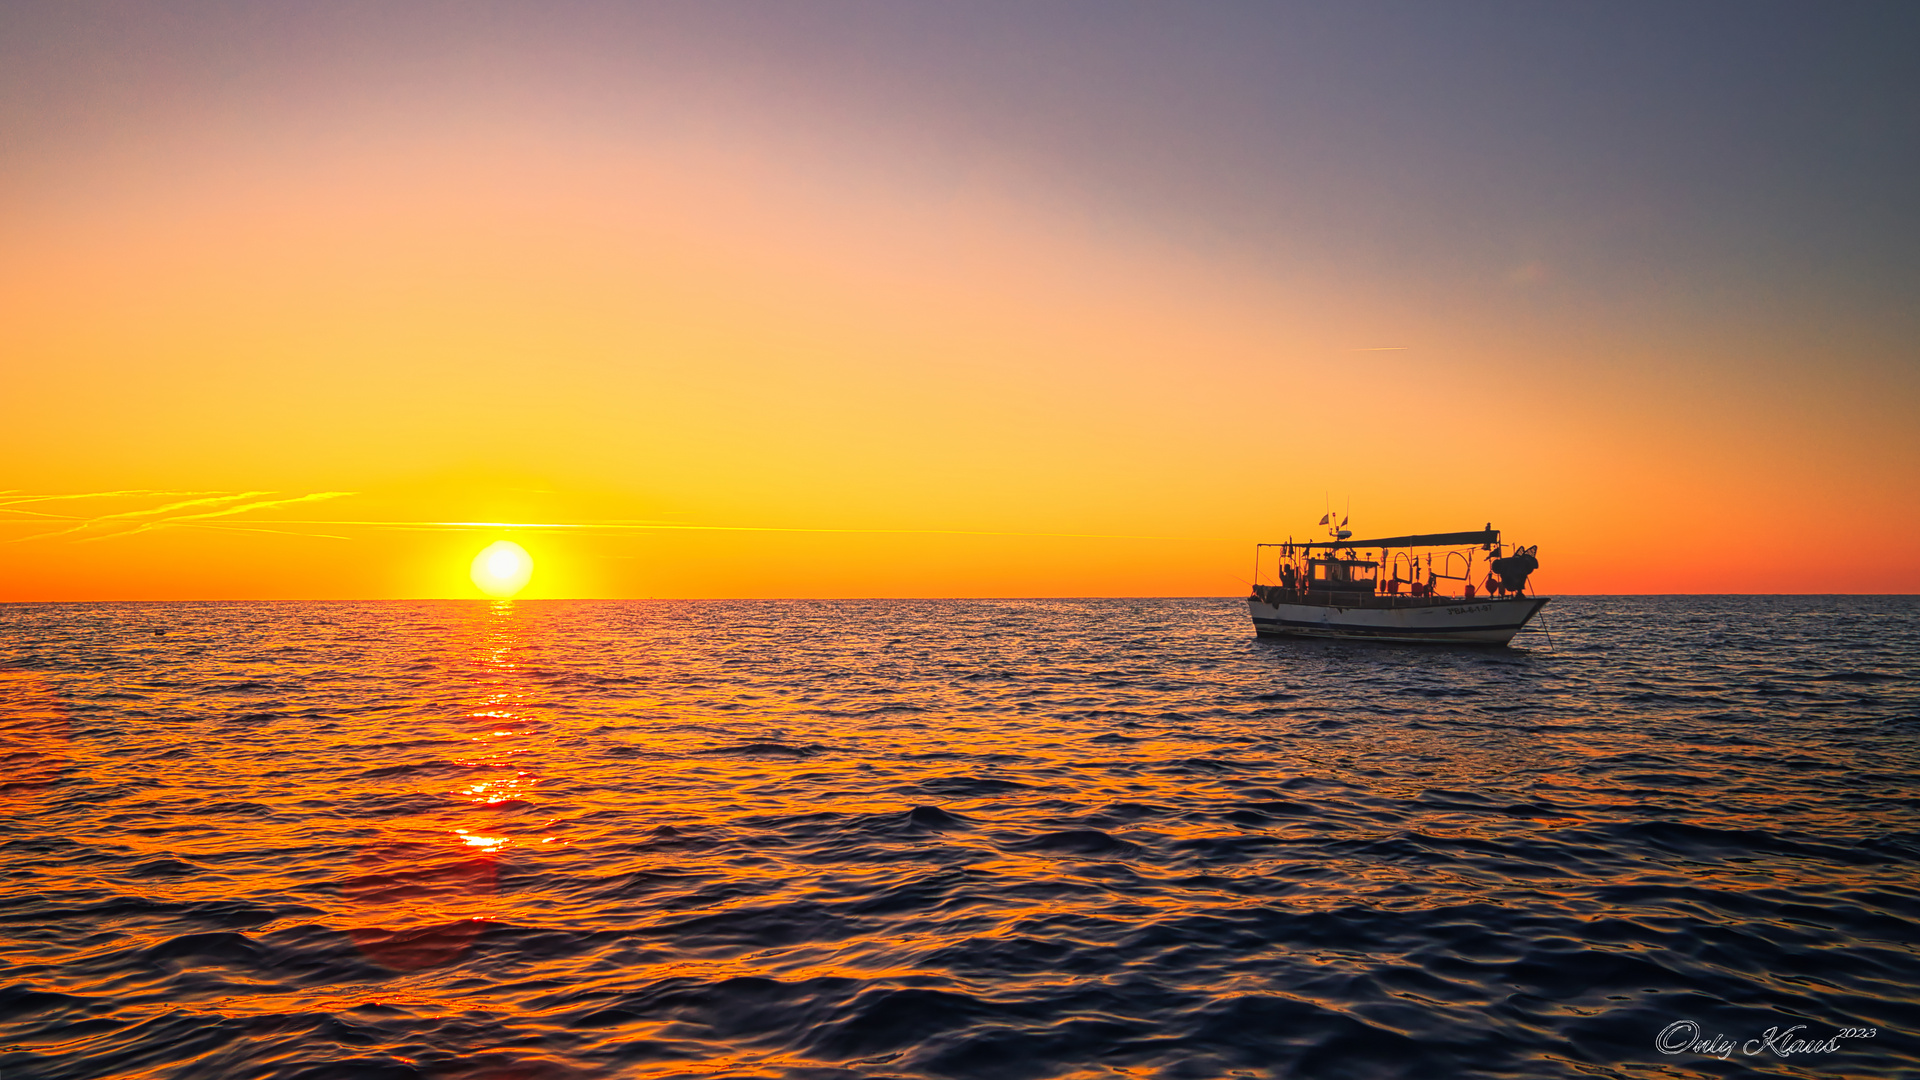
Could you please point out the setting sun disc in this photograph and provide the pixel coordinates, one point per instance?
(502, 569)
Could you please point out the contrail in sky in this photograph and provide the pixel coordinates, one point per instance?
(183, 504)
(229, 504)
(228, 511)
(166, 515)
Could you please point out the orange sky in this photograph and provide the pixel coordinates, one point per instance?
(308, 338)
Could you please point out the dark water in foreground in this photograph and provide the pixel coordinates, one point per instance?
(954, 838)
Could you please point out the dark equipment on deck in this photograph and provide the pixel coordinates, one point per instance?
(1510, 574)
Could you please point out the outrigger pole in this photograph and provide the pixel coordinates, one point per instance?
(1489, 537)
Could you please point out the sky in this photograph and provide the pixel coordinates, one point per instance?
(935, 299)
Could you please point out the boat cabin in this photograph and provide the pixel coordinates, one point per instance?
(1347, 574)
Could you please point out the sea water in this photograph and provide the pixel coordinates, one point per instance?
(1015, 838)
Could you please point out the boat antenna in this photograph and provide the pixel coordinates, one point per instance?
(1339, 532)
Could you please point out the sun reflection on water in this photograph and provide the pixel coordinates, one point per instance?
(418, 902)
(504, 721)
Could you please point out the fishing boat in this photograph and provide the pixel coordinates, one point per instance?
(1396, 588)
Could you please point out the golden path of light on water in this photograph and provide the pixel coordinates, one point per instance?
(423, 901)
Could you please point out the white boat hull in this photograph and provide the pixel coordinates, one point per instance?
(1480, 621)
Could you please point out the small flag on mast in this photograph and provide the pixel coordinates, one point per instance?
(1343, 521)
(1324, 520)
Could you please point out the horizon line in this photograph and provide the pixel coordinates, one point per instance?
(787, 599)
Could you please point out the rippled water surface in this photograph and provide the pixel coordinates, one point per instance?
(954, 839)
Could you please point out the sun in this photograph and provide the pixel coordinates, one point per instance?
(502, 569)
